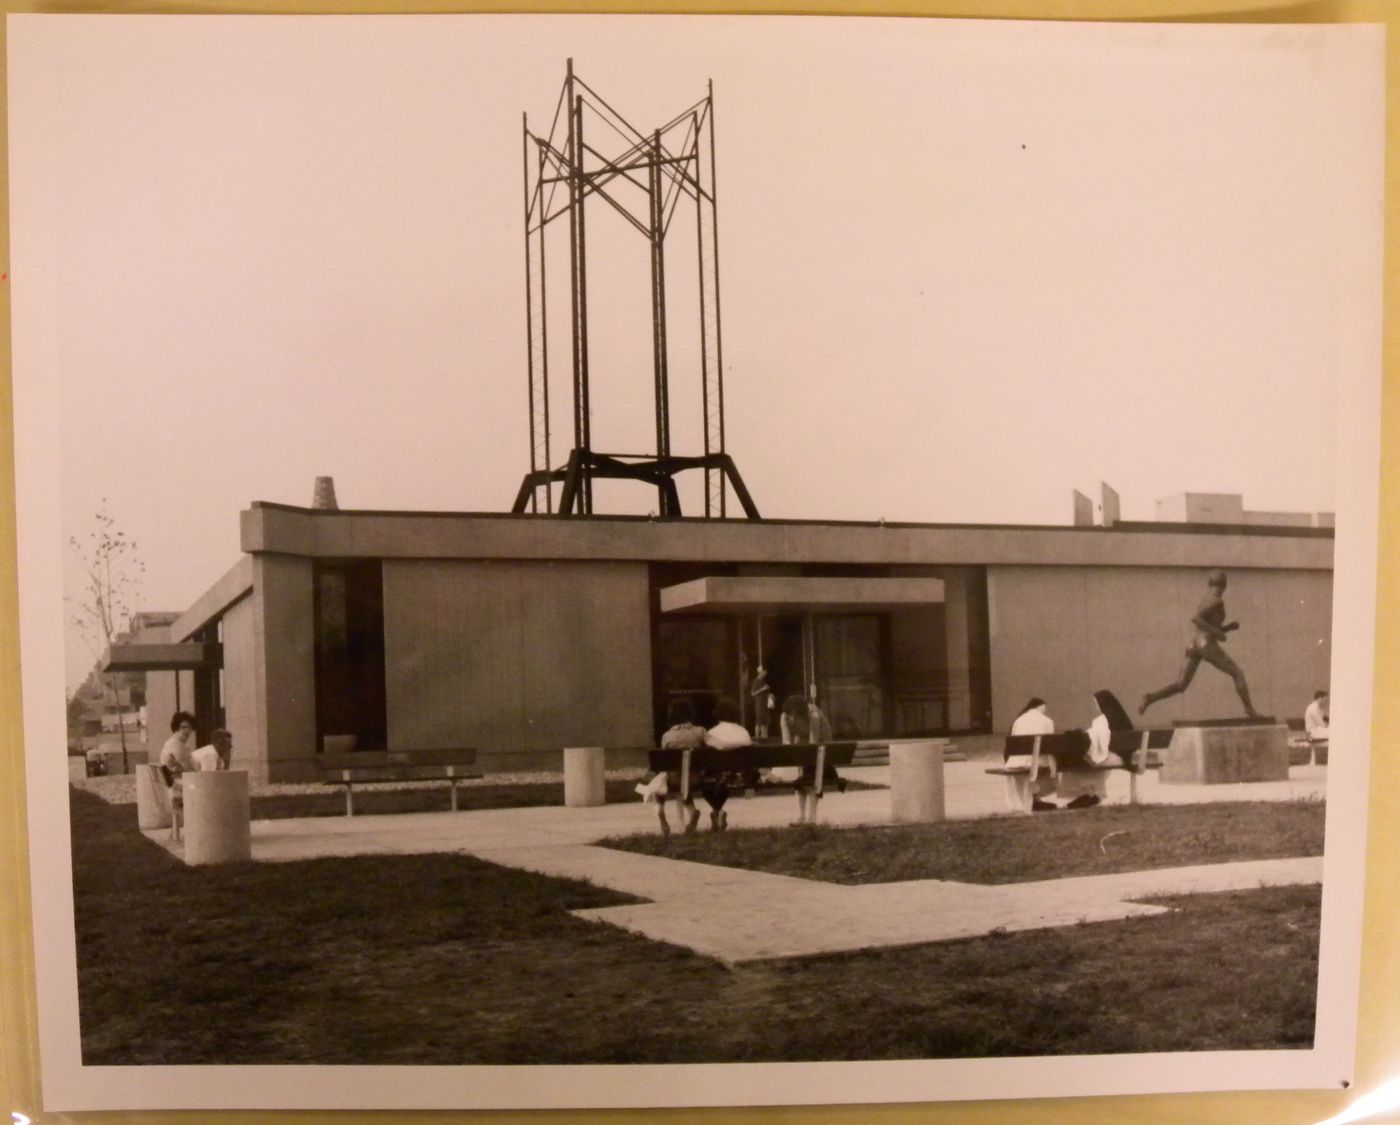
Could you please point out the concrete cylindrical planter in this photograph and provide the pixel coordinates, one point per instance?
(583, 776)
(916, 782)
(216, 817)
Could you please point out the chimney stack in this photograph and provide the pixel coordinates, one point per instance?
(324, 498)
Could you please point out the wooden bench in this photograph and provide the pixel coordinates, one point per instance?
(1067, 748)
(814, 760)
(387, 767)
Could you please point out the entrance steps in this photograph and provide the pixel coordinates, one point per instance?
(875, 753)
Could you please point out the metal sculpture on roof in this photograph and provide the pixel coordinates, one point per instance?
(644, 181)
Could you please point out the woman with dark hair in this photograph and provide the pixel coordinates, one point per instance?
(1089, 785)
(803, 722)
(683, 734)
(177, 754)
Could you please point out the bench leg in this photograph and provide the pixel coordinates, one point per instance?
(806, 806)
(349, 800)
(454, 794)
(1020, 791)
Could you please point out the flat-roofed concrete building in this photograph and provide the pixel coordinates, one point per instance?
(519, 634)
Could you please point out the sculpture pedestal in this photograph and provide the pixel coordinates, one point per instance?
(1223, 755)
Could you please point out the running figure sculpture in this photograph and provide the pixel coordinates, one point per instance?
(1211, 631)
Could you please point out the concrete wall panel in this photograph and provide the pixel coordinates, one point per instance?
(514, 657)
(242, 715)
(1062, 633)
(284, 654)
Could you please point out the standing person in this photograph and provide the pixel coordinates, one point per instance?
(726, 734)
(1211, 629)
(764, 702)
(1032, 719)
(1090, 786)
(215, 755)
(1317, 717)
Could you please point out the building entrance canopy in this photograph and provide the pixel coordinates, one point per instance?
(162, 657)
(779, 594)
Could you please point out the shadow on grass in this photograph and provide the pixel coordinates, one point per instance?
(444, 959)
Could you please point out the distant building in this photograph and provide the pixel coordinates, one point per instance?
(1228, 508)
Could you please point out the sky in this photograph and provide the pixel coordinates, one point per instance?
(965, 268)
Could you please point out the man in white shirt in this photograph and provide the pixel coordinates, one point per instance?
(1316, 717)
(215, 756)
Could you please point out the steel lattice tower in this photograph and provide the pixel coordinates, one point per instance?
(563, 171)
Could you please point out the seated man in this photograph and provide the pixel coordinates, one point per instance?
(215, 756)
(1317, 717)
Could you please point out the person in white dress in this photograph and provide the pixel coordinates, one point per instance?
(1031, 720)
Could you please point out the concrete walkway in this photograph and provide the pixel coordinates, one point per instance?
(737, 916)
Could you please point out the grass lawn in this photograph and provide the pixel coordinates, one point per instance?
(1012, 850)
(449, 960)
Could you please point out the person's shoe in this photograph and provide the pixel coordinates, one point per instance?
(1085, 801)
(1037, 805)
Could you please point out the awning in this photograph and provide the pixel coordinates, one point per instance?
(771, 594)
(162, 658)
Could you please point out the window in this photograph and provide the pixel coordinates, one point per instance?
(349, 623)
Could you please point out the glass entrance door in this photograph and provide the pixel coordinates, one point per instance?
(836, 660)
(849, 671)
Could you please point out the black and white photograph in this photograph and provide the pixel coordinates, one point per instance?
(561, 555)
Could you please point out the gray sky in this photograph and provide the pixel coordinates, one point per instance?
(965, 268)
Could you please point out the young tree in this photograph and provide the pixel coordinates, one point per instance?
(112, 573)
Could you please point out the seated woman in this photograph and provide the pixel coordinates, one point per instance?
(1088, 788)
(726, 734)
(683, 734)
(1031, 720)
(803, 723)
